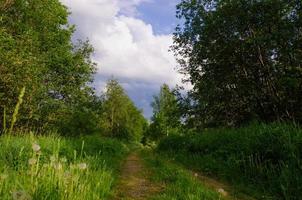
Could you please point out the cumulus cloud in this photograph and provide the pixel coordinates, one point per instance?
(125, 46)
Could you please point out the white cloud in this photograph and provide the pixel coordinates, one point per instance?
(125, 46)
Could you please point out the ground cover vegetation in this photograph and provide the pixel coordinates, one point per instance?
(261, 160)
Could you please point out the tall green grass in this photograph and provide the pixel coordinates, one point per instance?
(51, 167)
(4, 120)
(263, 160)
(16, 111)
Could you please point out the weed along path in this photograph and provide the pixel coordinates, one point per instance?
(225, 190)
(134, 182)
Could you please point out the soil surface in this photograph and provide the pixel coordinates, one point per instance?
(134, 183)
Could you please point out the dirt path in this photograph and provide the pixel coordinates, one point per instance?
(134, 183)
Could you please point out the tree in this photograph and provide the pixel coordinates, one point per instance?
(120, 118)
(166, 115)
(36, 52)
(243, 58)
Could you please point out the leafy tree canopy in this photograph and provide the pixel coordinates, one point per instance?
(166, 114)
(120, 118)
(243, 58)
(36, 52)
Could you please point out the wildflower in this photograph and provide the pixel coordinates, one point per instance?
(82, 166)
(64, 160)
(32, 161)
(222, 192)
(36, 147)
(45, 165)
(72, 166)
(58, 166)
(53, 158)
(3, 176)
(21, 195)
(67, 176)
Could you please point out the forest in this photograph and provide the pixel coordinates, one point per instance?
(236, 134)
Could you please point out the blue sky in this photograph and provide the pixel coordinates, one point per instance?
(160, 14)
(131, 39)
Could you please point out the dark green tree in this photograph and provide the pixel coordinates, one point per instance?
(243, 58)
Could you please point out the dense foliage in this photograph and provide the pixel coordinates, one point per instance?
(36, 53)
(38, 57)
(243, 58)
(264, 160)
(120, 118)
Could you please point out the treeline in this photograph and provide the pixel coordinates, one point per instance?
(37, 54)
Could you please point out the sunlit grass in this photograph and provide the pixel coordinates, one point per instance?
(50, 167)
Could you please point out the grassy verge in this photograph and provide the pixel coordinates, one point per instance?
(51, 167)
(177, 183)
(261, 160)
